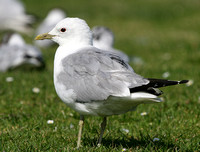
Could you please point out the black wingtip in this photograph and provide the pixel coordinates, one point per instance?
(154, 84)
(183, 81)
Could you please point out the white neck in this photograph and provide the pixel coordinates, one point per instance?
(63, 51)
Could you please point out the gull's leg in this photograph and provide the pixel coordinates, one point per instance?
(103, 126)
(80, 130)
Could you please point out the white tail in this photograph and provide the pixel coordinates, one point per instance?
(145, 97)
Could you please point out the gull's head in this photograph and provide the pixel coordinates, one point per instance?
(102, 36)
(69, 31)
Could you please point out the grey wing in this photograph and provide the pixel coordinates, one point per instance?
(121, 54)
(118, 58)
(96, 75)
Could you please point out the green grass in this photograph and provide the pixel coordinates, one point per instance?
(151, 29)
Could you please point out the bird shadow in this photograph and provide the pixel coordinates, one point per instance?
(130, 143)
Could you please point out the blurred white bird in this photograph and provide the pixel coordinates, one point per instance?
(13, 17)
(14, 52)
(103, 38)
(53, 17)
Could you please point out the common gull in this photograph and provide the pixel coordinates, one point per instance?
(14, 52)
(96, 82)
(13, 16)
(103, 38)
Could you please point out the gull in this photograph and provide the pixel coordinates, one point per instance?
(13, 17)
(96, 82)
(103, 38)
(14, 52)
(53, 17)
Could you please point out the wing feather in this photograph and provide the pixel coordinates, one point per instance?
(96, 75)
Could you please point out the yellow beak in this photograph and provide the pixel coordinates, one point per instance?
(44, 36)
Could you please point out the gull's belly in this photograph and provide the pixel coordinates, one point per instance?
(111, 106)
(97, 108)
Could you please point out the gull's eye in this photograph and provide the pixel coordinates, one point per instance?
(63, 29)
